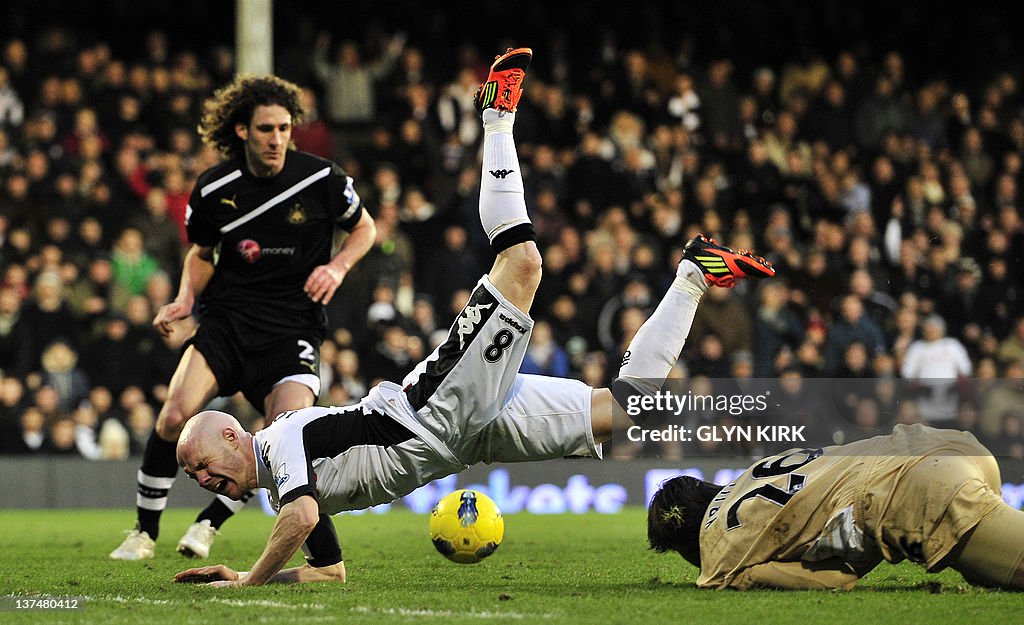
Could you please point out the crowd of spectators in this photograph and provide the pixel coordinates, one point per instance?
(888, 200)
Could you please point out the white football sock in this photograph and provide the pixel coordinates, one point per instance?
(656, 346)
(502, 201)
(152, 491)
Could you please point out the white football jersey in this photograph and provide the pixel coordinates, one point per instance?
(350, 457)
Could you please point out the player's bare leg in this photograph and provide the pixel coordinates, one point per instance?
(604, 420)
(287, 396)
(192, 386)
(516, 273)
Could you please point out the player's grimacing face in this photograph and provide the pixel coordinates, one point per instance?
(266, 139)
(218, 473)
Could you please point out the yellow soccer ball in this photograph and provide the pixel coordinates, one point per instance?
(466, 526)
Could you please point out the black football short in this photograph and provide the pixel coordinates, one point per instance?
(255, 372)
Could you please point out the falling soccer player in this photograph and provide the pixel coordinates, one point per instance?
(465, 403)
(824, 517)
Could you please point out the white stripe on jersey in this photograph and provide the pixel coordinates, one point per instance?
(277, 199)
(220, 182)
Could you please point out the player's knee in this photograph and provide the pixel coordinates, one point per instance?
(526, 263)
(170, 422)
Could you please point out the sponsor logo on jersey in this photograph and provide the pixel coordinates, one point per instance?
(278, 251)
(251, 251)
(230, 201)
(625, 358)
(296, 215)
(282, 475)
(501, 173)
(512, 322)
(468, 321)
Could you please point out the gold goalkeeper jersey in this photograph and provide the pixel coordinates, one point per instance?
(908, 495)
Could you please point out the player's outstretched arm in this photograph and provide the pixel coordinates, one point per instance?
(325, 279)
(221, 575)
(196, 274)
(307, 573)
(826, 575)
(295, 521)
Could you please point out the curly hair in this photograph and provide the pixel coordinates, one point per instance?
(234, 104)
(675, 516)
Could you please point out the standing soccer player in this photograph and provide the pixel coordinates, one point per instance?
(262, 227)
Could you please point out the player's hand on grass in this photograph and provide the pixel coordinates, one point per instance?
(323, 282)
(168, 314)
(216, 575)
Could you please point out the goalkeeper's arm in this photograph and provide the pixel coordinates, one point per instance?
(825, 575)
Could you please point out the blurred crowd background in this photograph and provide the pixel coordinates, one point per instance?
(875, 157)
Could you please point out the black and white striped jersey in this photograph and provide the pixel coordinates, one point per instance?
(268, 235)
(351, 457)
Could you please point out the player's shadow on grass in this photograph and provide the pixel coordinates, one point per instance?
(881, 586)
(933, 587)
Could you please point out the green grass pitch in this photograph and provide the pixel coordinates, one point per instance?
(550, 569)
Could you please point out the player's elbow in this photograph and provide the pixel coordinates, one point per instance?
(369, 225)
(365, 231)
(303, 514)
(306, 520)
(171, 420)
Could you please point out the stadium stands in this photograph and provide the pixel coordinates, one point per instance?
(885, 188)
